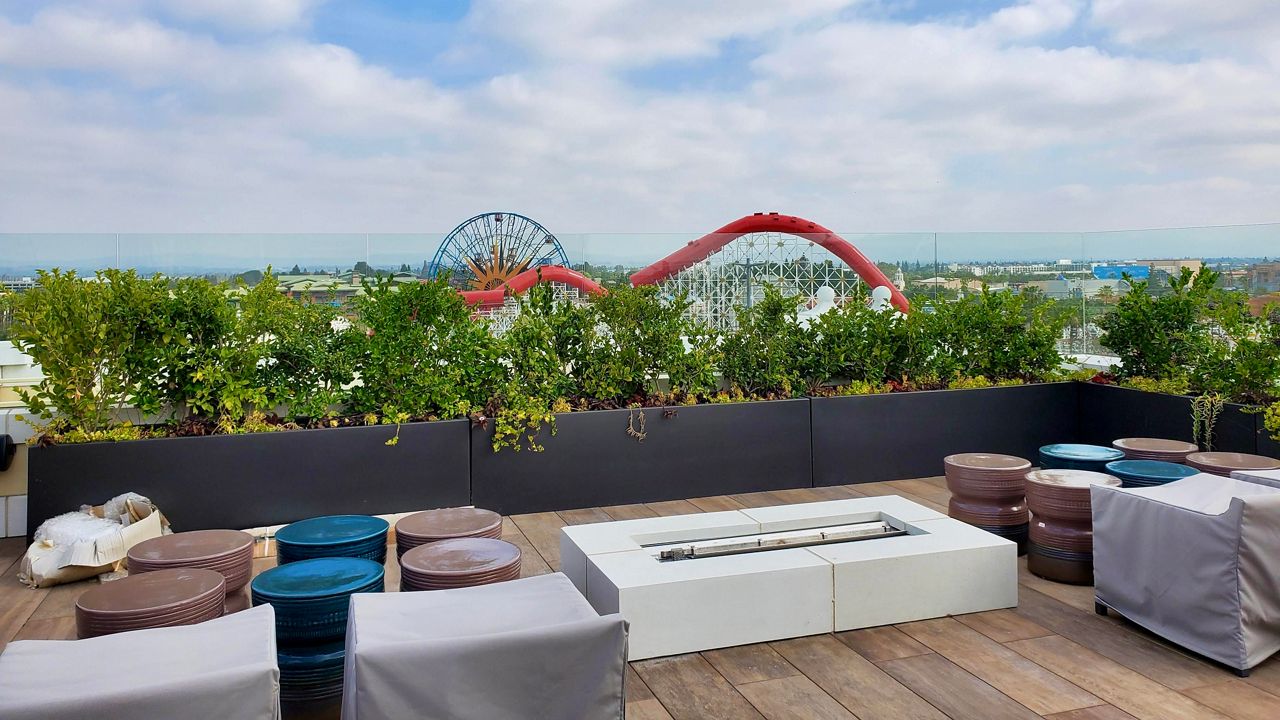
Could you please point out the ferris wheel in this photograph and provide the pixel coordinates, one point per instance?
(488, 250)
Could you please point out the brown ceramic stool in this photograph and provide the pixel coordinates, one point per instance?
(459, 562)
(229, 552)
(987, 491)
(1174, 451)
(1061, 546)
(445, 524)
(162, 598)
(1225, 463)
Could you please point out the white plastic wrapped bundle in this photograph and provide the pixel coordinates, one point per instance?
(70, 528)
(78, 545)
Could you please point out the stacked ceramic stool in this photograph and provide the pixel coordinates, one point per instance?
(445, 524)
(311, 599)
(988, 491)
(459, 563)
(359, 536)
(1061, 543)
(322, 562)
(1148, 473)
(164, 598)
(1174, 451)
(1225, 463)
(1074, 456)
(229, 552)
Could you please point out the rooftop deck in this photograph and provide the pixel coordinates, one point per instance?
(1050, 657)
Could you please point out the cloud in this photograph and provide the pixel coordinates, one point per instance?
(620, 33)
(1240, 26)
(131, 117)
(1034, 19)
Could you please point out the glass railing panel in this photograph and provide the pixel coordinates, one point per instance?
(1053, 266)
(21, 254)
(227, 256)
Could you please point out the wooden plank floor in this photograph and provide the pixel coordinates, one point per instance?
(1051, 657)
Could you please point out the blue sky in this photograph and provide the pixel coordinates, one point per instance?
(614, 121)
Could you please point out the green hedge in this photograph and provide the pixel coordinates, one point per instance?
(241, 358)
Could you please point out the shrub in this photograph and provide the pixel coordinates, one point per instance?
(92, 338)
(1160, 336)
(995, 335)
(1240, 358)
(1271, 420)
(308, 350)
(201, 356)
(1169, 386)
(858, 345)
(545, 343)
(767, 354)
(543, 347)
(422, 355)
(635, 337)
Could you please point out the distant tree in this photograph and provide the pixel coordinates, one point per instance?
(252, 277)
(404, 268)
(296, 270)
(363, 268)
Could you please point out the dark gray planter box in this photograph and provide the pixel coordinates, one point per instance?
(871, 438)
(694, 452)
(1108, 412)
(1266, 444)
(245, 481)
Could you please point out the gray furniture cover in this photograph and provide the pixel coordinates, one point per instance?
(224, 668)
(1260, 477)
(531, 648)
(1196, 561)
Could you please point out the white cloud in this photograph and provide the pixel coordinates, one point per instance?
(1241, 27)
(857, 123)
(637, 32)
(1034, 18)
(258, 15)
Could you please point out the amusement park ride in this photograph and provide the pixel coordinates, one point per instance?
(493, 257)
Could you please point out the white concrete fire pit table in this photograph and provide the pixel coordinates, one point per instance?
(695, 582)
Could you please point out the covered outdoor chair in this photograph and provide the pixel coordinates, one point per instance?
(1259, 477)
(224, 668)
(1196, 561)
(531, 648)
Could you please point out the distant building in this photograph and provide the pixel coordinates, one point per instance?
(1265, 277)
(18, 285)
(1117, 272)
(1172, 267)
(1063, 288)
(943, 283)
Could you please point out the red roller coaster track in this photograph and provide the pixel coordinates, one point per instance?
(709, 244)
(696, 251)
(486, 299)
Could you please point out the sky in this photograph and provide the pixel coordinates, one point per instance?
(614, 121)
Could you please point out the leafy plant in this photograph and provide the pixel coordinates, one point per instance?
(1178, 385)
(88, 335)
(308, 350)
(1240, 357)
(1160, 336)
(636, 337)
(1204, 417)
(422, 355)
(1271, 420)
(201, 355)
(996, 335)
(543, 347)
(857, 345)
(765, 355)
